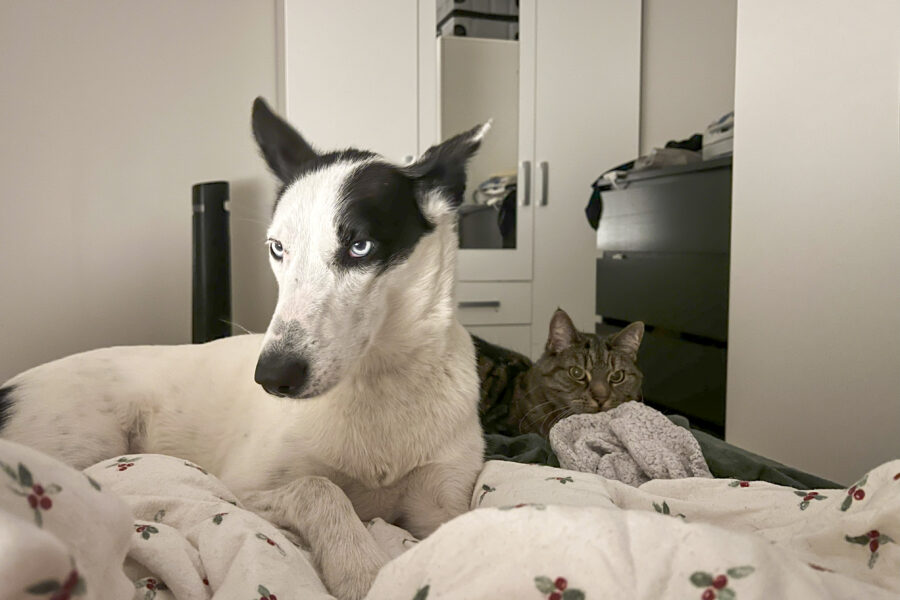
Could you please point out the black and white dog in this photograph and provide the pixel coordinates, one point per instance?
(365, 396)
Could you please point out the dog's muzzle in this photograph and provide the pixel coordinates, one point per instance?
(282, 375)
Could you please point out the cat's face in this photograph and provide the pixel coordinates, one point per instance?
(585, 373)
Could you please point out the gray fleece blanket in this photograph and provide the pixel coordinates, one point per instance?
(632, 443)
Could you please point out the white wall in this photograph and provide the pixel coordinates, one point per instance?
(814, 340)
(687, 67)
(110, 111)
(342, 90)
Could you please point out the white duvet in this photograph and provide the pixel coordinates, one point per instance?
(159, 527)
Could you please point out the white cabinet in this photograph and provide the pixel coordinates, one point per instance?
(368, 74)
(586, 120)
(578, 114)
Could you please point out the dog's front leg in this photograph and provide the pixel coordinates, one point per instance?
(319, 511)
(435, 494)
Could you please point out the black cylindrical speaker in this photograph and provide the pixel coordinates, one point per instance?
(212, 263)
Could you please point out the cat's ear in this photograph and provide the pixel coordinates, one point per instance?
(562, 332)
(628, 340)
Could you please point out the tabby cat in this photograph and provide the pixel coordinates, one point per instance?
(577, 373)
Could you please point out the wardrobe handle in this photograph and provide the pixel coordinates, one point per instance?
(479, 304)
(526, 182)
(545, 182)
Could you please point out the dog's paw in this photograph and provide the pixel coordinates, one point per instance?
(260, 503)
(349, 577)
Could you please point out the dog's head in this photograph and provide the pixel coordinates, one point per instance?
(345, 226)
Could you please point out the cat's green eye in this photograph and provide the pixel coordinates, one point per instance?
(576, 373)
(617, 377)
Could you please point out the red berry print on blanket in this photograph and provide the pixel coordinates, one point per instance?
(874, 539)
(809, 497)
(717, 586)
(123, 463)
(145, 530)
(35, 494)
(74, 585)
(264, 593)
(271, 542)
(150, 585)
(855, 492)
(557, 589)
(737, 483)
(562, 480)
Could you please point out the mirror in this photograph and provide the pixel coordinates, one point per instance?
(478, 71)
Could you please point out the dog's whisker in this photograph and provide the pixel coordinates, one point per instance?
(236, 324)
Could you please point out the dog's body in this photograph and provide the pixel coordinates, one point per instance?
(381, 419)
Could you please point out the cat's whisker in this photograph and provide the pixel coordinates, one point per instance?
(552, 417)
(530, 410)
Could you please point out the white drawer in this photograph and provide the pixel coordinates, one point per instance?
(514, 337)
(494, 302)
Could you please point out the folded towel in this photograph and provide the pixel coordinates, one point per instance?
(632, 443)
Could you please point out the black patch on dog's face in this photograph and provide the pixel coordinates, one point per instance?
(378, 203)
(321, 162)
(6, 404)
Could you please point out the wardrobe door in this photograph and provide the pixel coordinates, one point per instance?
(351, 74)
(480, 79)
(586, 109)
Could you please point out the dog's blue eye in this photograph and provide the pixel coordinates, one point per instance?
(361, 248)
(276, 249)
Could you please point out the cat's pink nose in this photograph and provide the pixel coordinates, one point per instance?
(599, 390)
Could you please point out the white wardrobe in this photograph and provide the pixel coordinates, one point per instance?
(374, 75)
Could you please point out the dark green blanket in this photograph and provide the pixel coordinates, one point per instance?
(725, 461)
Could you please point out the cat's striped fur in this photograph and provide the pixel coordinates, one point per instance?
(577, 373)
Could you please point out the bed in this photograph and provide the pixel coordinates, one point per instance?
(151, 526)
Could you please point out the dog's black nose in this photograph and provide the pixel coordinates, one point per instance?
(281, 374)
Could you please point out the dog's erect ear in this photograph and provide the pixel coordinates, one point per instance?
(283, 148)
(443, 167)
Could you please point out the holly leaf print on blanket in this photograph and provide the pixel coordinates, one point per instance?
(557, 589)
(809, 497)
(874, 539)
(717, 586)
(855, 492)
(35, 493)
(271, 542)
(74, 585)
(665, 510)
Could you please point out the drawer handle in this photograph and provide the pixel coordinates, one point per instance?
(479, 304)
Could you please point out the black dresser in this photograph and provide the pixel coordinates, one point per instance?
(663, 253)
